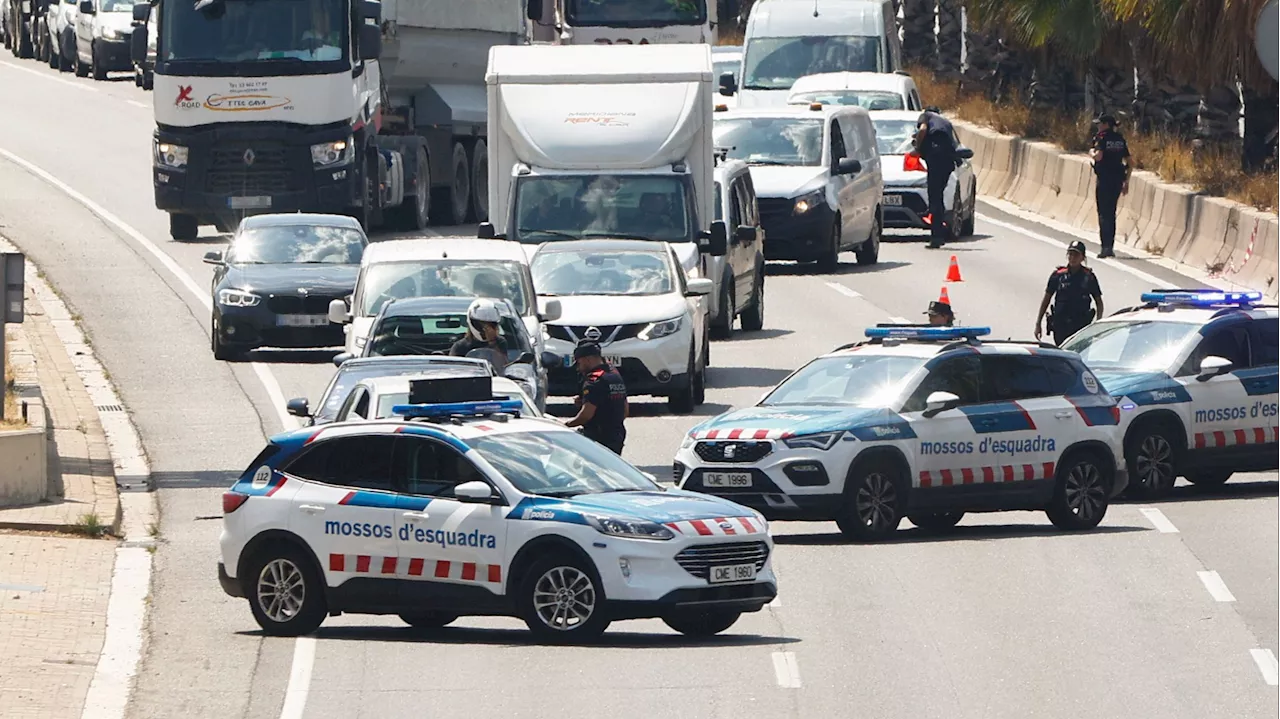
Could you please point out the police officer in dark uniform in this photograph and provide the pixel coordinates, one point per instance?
(1072, 289)
(602, 406)
(941, 315)
(935, 142)
(1110, 155)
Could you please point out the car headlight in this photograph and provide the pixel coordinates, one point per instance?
(330, 154)
(237, 298)
(687, 442)
(661, 329)
(823, 440)
(804, 203)
(110, 33)
(171, 156)
(629, 528)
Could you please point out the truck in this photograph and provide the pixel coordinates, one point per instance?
(358, 107)
(621, 22)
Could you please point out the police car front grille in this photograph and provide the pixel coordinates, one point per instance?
(741, 452)
(699, 560)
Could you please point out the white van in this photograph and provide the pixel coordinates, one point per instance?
(788, 39)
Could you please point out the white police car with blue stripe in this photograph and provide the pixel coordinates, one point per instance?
(1195, 373)
(926, 423)
(466, 508)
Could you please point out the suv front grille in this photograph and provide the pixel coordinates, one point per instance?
(699, 560)
(299, 305)
(735, 452)
(608, 333)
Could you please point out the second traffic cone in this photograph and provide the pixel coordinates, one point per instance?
(943, 297)
(953, 272)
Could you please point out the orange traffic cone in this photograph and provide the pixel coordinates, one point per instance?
(944, 297)
(953, 272)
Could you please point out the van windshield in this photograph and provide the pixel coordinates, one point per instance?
(585, 206)
(775, 63)
(771, 140)
(635, 13)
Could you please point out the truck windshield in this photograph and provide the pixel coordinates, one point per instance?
(635, 13)
(245, 31)
(584, 206)
(771, 140)
(775, 63)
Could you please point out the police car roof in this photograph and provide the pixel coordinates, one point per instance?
(426, 306)
(294, 219)
(399, 384)
(443, 248)
(927, 349)
(1190, 313)
(395, 363)
(468, 428)
(895, 115)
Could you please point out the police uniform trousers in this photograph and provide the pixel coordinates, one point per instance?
(939, 168)
(1107, 195)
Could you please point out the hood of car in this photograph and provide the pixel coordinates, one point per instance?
(1142, 387)
(317, 279)
(894, 176)
(782, 422)
(673, 505)
(121, 22)
(786, 182)
(618, 310)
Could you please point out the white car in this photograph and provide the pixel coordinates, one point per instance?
(741, 269)
(817, 179)
(61, 20)
(633, 298)
(922, 423)
(103, 28)
(868, 90)
(375, 398)
(1196, 377)
(441, 267)
(726, 60)
(463, 509)
(906, 191)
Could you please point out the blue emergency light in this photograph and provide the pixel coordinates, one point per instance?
(1202, 298)
(907, 332)
(457, 409)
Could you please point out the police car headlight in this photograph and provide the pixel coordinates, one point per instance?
(687, 442)
(825, 440)
(332, 154)
(809, 201)
(661, 329)
(629, 528)
(237, 298)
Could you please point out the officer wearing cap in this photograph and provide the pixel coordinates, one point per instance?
(940, 314)
(935, 141)
(1072, 289)
(1110, 154)
(602, 404)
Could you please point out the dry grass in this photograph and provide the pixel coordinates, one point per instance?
(728, 36)
(12, 413)
(1212, 170)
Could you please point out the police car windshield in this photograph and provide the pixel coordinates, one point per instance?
(1144, 346)
(388, 281)
(350, 374)
(297, 244)
(852, 380)
(559, 464)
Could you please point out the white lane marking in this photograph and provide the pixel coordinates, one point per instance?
(846, 291)
(1217, 588)
(295, 695)
(126, 621)
(1266, 662)
(1158, 520)
(47, 76)
(786, 668)
(1122, 266)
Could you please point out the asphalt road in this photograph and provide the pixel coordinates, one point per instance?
(1005, 617)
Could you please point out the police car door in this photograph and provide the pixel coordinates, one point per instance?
(451, 552)
(1024, 426)
(1220, 404)
(345, 508)
(946, 443)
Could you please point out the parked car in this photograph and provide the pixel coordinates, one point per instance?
(868, 90)
(351, 371)
(741, 269)
(103, 28)
(906, 191)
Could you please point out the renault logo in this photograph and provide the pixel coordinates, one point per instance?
(592, 333)
(249, 156)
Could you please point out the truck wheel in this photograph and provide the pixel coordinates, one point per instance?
(460, 187)
(753, 316)
(183, 228)
(480, 181)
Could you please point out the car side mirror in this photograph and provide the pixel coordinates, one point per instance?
(476, 493)
(525, 358)
(940, 402)
(533, 10)
(848, 166)
(550, 310)
(551, 359)
(699, 287)
(86, 7)
(715, 242)
(142, 12)
(728, 85)
(139, 42)
(298, 407)
(964, 153)
(340, 358)
(338, 313)
(370, 41)
(486, 231)
(214, 258)
(1213, 366)
(744, 234)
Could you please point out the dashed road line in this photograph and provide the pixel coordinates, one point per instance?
(47, 76)
(1217, 588)
(786, 668)
(844, 290)
(1266, 662)
(1158, 520)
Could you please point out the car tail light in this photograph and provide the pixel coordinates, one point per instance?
(1115, 413)
(231, 501)
(911, 162)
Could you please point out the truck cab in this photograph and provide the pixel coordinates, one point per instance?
(621, 22)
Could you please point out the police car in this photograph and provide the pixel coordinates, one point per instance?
(466, 508)
(922, 423)
(1195, 373)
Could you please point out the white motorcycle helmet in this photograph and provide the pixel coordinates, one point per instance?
(482, 310)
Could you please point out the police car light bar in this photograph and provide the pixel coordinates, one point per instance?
(457, 409)
(907, 332)
(1206, 298)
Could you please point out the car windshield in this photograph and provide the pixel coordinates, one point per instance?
(250, 30)
(1137, 346)
(635, 13)
(560, 464)
(388, 402)
(775, 63)
(560, 208)
(856, 380)
(350, 374)
(117, 6)
(893, 137)
(854, 98)
(771, 140)
(297, 244)
(435, 335)
(388, 281)
(601, 272)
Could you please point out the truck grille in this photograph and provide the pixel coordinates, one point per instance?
(234, 184)
(735, 452)
(699, 560)
(231, 176)
(265, 157)
(300, 305)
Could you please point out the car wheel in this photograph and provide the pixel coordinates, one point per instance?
(96, 65)
(285, 592)
(148, 80)
(1209, 478)
(428, 620)
(81, 69)
(966, 229)
(722, 328)
(753, 316)
(52, 55)
(1152, 458)
(1081, 492)
(702, 623)
(683, 400)
(561, 600)
(830, 258)
(936, 522)
(869, 252)
(183, 228)
(872, 507)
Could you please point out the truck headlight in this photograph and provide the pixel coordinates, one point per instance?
(825, 440)
(237, 298)
(332, 154)
(661, 329)
(171, 156)
(629, 528)
(804, 203)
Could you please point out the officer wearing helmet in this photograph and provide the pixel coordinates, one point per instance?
(482, 330)
(602, 404)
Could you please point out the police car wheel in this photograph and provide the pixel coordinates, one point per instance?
(1152, 461)
(1081, 494)
(285, 592)
(1209, 479)
(704, 623)
(872, 502)
(561, 600)
(428, 620)
(936, 522)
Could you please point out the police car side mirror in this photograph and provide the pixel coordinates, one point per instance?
(1211, 367)
(340, 358)
(338, 313)
(939, 402)
(298, 407)
(476, 493)
(550, 311)
(964, 153)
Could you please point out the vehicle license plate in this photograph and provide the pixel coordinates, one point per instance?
(615, 360)
(302, 320)
(249, 203)
(732, 573)
(726, 479)
(893, 200)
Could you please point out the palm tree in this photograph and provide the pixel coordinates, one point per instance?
(950, 29)
(918, 44)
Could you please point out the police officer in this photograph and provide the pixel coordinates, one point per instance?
(935, 142)
(602, 405)
(1071, 288)
(940, 314)
(1110, 155)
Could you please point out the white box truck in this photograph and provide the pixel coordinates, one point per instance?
(622, 22)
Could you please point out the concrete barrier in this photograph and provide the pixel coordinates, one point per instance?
(24, 460)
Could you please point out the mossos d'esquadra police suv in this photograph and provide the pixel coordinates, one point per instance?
(462, 507)
(922, 423)
(1195, 374)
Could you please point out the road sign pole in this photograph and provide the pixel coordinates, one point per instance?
(4, 318)
(11, 309)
